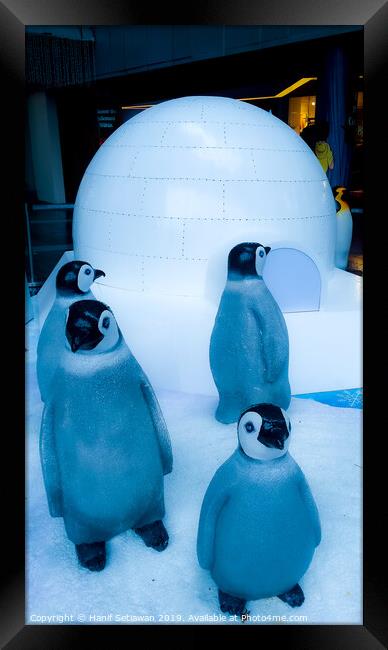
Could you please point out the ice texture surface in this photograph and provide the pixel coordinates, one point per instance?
(139, 581)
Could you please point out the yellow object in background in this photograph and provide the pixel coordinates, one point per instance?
(324, 154)
(344, 230)
(338, 197)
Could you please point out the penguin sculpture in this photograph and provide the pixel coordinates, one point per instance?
(104, 444)
(259, 524)
(249, 349)
(73, 280)
(344, 229)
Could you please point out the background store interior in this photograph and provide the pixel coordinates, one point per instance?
(84, 82)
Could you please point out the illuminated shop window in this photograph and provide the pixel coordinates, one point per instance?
(301, 112)
(359, 118)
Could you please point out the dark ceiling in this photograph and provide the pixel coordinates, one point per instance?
(257, 73)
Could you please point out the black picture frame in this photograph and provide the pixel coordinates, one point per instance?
(14, 15)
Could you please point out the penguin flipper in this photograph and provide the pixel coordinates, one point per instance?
(215, 498)
(51, 476)
(311, 507)
(273, 352)
(159, 425)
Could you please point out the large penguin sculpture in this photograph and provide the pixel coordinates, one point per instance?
(73, 280)
(249, 349)
(259, 524)
(104, 444)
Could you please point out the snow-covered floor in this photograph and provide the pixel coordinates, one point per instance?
(140, 585)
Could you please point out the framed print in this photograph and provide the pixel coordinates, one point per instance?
(194, 191)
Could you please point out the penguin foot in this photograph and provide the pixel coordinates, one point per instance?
(92, 556)
(294, 597)
(231, 604)
(226, 415)
(154, 535)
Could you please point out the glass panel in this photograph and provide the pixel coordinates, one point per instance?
(48, 235)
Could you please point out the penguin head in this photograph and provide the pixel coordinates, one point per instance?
(264, 432)
(76, 277)
(91, 326)
(247, 259)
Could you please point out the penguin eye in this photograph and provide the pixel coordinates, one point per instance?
(249, 427)
(105, 322)
(261, 253)
(87, 271)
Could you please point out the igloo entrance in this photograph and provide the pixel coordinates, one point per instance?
(293, 279)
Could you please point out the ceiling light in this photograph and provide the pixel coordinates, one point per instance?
(282, 93)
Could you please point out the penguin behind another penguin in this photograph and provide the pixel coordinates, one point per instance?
(73, 280)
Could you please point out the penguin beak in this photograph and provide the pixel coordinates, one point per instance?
(278, 442)
(98, 274)
(82, 340)
(274, 437)
(75, 343)
(267, 249)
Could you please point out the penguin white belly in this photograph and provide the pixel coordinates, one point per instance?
(109, 462)
(249, 365)
(112, 491)
(264, 541)
(235, 350)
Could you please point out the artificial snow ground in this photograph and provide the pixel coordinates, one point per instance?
(140, 585)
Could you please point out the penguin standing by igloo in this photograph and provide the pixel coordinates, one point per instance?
(73, 280)
(344, 229)
(259, 524)
(104, 444)
(249, 349)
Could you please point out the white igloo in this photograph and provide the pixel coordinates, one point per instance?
(164, 200)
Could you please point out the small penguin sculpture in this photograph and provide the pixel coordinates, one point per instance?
(104, 444)
(249, 348)
(344, 229)
(259, 524)
(73, 281)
